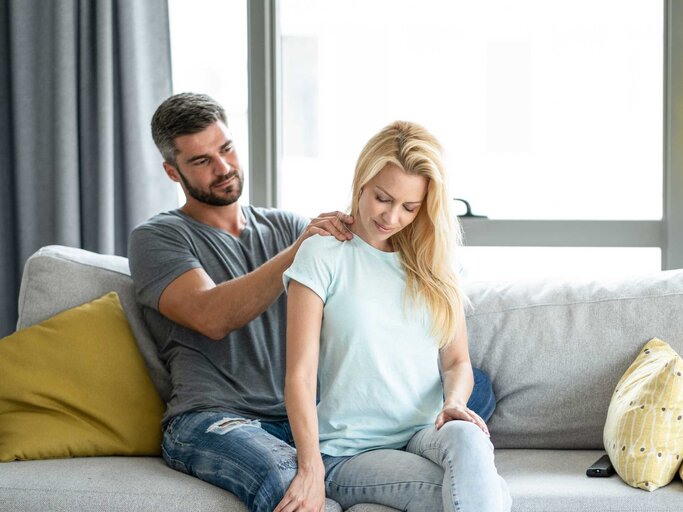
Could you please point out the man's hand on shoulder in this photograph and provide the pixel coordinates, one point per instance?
(329, 224)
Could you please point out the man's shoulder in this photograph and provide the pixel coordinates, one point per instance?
(159, 230)
(162, 220)
(273, 214)
(287, 224)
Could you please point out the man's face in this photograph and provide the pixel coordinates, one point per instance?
(208, 167)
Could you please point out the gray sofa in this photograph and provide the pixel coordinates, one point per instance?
(554, 350)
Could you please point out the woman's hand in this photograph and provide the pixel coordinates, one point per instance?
(306, 493)
(460, 412)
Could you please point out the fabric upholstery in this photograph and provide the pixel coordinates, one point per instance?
(539, 362)
(75, 385)
(57, 278)
(643, 433)
(555, 350)
(555, 480)
(539, 481)
(119, 484)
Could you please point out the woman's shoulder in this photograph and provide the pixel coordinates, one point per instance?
(319, 244)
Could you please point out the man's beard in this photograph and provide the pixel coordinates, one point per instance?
(213, 199)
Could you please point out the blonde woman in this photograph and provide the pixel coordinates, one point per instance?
(379, 320)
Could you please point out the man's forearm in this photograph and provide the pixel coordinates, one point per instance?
(197, 302)
(232, 304)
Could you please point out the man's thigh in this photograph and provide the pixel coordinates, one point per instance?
(233, 453)
(394, 478)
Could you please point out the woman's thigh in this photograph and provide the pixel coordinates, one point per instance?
(394, 478)
(465, 453)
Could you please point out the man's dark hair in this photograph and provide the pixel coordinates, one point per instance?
(183, 114)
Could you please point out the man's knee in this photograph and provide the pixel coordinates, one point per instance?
(275, 483)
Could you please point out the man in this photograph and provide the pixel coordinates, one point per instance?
(209, 279)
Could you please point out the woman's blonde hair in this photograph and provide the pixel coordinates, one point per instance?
(426, 246)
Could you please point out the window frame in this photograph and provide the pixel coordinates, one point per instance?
(667, 233)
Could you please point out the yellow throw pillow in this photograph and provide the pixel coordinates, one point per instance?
(643, 433)
(76, 385)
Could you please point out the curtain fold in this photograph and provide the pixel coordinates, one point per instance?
(80, 82)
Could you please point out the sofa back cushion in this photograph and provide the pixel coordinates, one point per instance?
(57, 278)
(555, 350)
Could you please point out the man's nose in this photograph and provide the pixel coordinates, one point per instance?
(222, 167)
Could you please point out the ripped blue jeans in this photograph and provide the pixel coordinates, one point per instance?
(254, 460)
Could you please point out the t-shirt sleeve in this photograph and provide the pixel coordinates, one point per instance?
(313, 266)
(300, 225)
(157, 256)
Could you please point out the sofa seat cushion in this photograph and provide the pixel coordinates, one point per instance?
(112, 484)
(555, 480)
(123, 484)
(539, 481)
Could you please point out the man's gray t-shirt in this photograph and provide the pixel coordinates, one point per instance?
(244, 372)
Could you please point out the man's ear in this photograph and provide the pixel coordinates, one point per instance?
(171, 172)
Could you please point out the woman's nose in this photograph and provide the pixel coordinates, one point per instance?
(392, 216)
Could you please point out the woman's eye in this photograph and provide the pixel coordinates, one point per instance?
(410, 210)
(382, 200)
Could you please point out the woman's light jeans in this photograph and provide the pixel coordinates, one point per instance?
(451, 469)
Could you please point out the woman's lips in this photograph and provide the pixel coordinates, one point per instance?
(382, 228)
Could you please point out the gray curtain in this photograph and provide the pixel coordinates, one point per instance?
(79, 82)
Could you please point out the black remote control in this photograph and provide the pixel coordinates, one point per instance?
(601, 467)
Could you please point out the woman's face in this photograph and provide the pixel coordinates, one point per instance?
(388, 203)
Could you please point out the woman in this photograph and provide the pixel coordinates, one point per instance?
(380, 320)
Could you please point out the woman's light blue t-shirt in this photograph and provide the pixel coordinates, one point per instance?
(378, 371)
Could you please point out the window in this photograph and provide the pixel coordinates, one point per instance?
(559, 119)
(548, 112)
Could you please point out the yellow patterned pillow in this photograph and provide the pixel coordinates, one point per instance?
(643, 433)
(76, 385)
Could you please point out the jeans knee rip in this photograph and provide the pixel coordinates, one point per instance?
(285, 458)
(225, 425)
(287, 463)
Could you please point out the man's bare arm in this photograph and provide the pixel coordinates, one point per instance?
(214, 310)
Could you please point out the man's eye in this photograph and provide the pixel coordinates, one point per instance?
(201, 161)
(228, 149)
